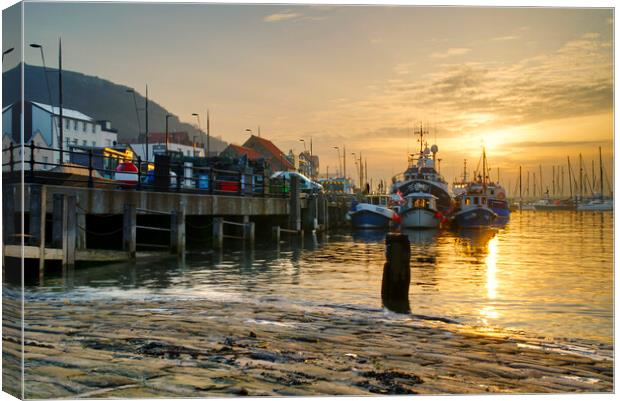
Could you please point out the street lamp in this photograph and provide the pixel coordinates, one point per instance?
(7, 51)
(135, 104)
(339, 166)
(47, 82)
(198, 118)
(167, 117)
(194, 143)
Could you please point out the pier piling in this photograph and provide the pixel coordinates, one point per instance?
(396, 273)
(129, 229)
(294, 205)
(218, 232)
(177, 232)
(8, 214)
(57, 220)
(69, 237)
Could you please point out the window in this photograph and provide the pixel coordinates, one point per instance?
(45, 159)
(484, 200)
(94, 144)
(94, 128)
(84, 124)
(84, 142)
(467, 201)
(476, 200)
(108, 142)
(75, 142)
(67, 122)
(75, 125)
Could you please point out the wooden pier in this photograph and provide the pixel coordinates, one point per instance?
(143, 220)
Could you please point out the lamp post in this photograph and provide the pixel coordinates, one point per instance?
(47, 82)
(194, 144)
(7, 51)
(135, 104)
(197, 118)
(167, 117)
(339, 166)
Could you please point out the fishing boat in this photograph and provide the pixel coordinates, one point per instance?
(473, 210)
(421, 174)
(369, 216)
(420, 211)
(547, 204)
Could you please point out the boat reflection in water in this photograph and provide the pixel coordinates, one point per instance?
(422, 237)
(369, 235)
(475, 242)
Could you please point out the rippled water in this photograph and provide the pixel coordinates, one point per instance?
(548, 274)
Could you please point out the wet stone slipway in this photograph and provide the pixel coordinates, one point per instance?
(158, 349)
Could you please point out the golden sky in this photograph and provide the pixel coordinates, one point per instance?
(533, 84)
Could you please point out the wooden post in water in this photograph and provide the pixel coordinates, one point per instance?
(294, 205)
(310, 221)
(81, 230)
(276, 234)
(248, 230)
(8, 213)
(396, 273)
(129, 230)
(218, 232)
(58, 220)
(69, 237)
(177, 232)
(37, 221)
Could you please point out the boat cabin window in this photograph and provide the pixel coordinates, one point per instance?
(476, 200)
(420, 203)
(467, 201)
(483, 200)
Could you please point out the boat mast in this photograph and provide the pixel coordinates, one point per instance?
(600, 164)
(484, 171)
(534, 181)
(570, 178)
(541, 180)
(580, 177)
(520, 189)
(593, 178)
(562, 181)
(553, 180)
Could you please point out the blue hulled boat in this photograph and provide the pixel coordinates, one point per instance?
(369, 216)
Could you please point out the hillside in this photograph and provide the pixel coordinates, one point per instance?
(96, 97)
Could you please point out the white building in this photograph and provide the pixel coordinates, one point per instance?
(41, 123)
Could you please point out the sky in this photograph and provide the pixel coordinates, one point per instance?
(534, 85)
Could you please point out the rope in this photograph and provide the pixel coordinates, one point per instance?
(100, 234)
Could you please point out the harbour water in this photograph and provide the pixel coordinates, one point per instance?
(544, 274)
(526, 308)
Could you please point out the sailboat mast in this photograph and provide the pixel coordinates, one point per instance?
(553, 180)
(520, 189)
(484, 170)
(580, 177)
(570, 178)
(562, 181)
(600, 164)
(541, 180)
(593, 178)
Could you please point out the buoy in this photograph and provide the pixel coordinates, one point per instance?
(127, 174)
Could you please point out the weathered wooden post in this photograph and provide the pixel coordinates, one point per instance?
(248, 229)
(218, 232)
(396, 273)
(177, 232)
(81, 232)
(58, 220)
(294, 204)
(276, 234)
(129, 230)
(8, 214)
(69, 237)
(321, 211)
(311, 221)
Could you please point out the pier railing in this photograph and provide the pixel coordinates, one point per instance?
(84, 167)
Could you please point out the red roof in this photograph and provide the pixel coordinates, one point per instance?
(273, 150)
(250, 153)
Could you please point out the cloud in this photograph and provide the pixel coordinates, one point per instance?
(453, 51)
(504, 38)
(576, 79)
(282, 16)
